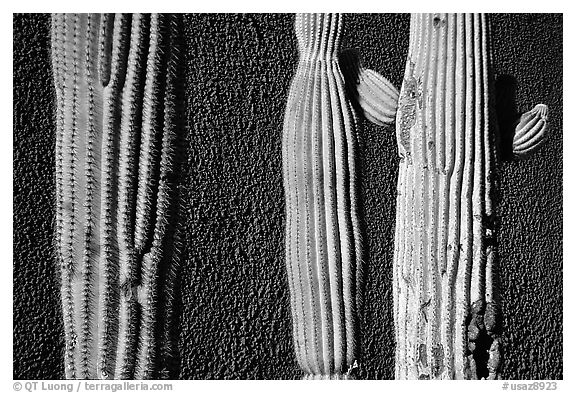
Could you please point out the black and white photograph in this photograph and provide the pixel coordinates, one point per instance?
(287, 196)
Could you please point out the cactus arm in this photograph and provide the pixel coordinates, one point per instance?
(530, 131)
(157, 281)
(170, 200)
(112, 79)
(521, 134)
(105, 39)
(130, 129)
(151, 130)
(99, 64)
(376, 97)
(150, 151)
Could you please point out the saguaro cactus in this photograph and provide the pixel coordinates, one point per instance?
(119, 100)
(323, 239)
(445, 297)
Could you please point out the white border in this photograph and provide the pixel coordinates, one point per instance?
(569, 197)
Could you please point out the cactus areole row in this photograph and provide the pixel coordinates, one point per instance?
(119, 100)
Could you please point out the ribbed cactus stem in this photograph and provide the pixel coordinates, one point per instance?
(443, 256)
(99, 64)
(323, 236)
(129, 141)
(323, 245)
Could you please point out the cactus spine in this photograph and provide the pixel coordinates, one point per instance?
(323, 239)
(118, 128)
(445, 296)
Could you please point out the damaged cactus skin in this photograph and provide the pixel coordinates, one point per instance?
(446, 303)
(323, 235)
(118, 81)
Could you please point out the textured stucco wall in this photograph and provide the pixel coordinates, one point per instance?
(235, 320)
(529, 47)
(38, 332)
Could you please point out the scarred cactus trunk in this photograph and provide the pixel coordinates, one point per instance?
(444, 291)
(119, 100)
(445, 274)
(323, 245)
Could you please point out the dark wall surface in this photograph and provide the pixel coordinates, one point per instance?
(235, 320)
(38, 331)
(529, 47)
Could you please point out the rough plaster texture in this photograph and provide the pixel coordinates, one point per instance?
(529, 48)
(38, 330)
(235, 319)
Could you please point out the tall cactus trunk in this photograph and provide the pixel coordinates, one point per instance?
(119, 126)
(323, 243)
(444, 292)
